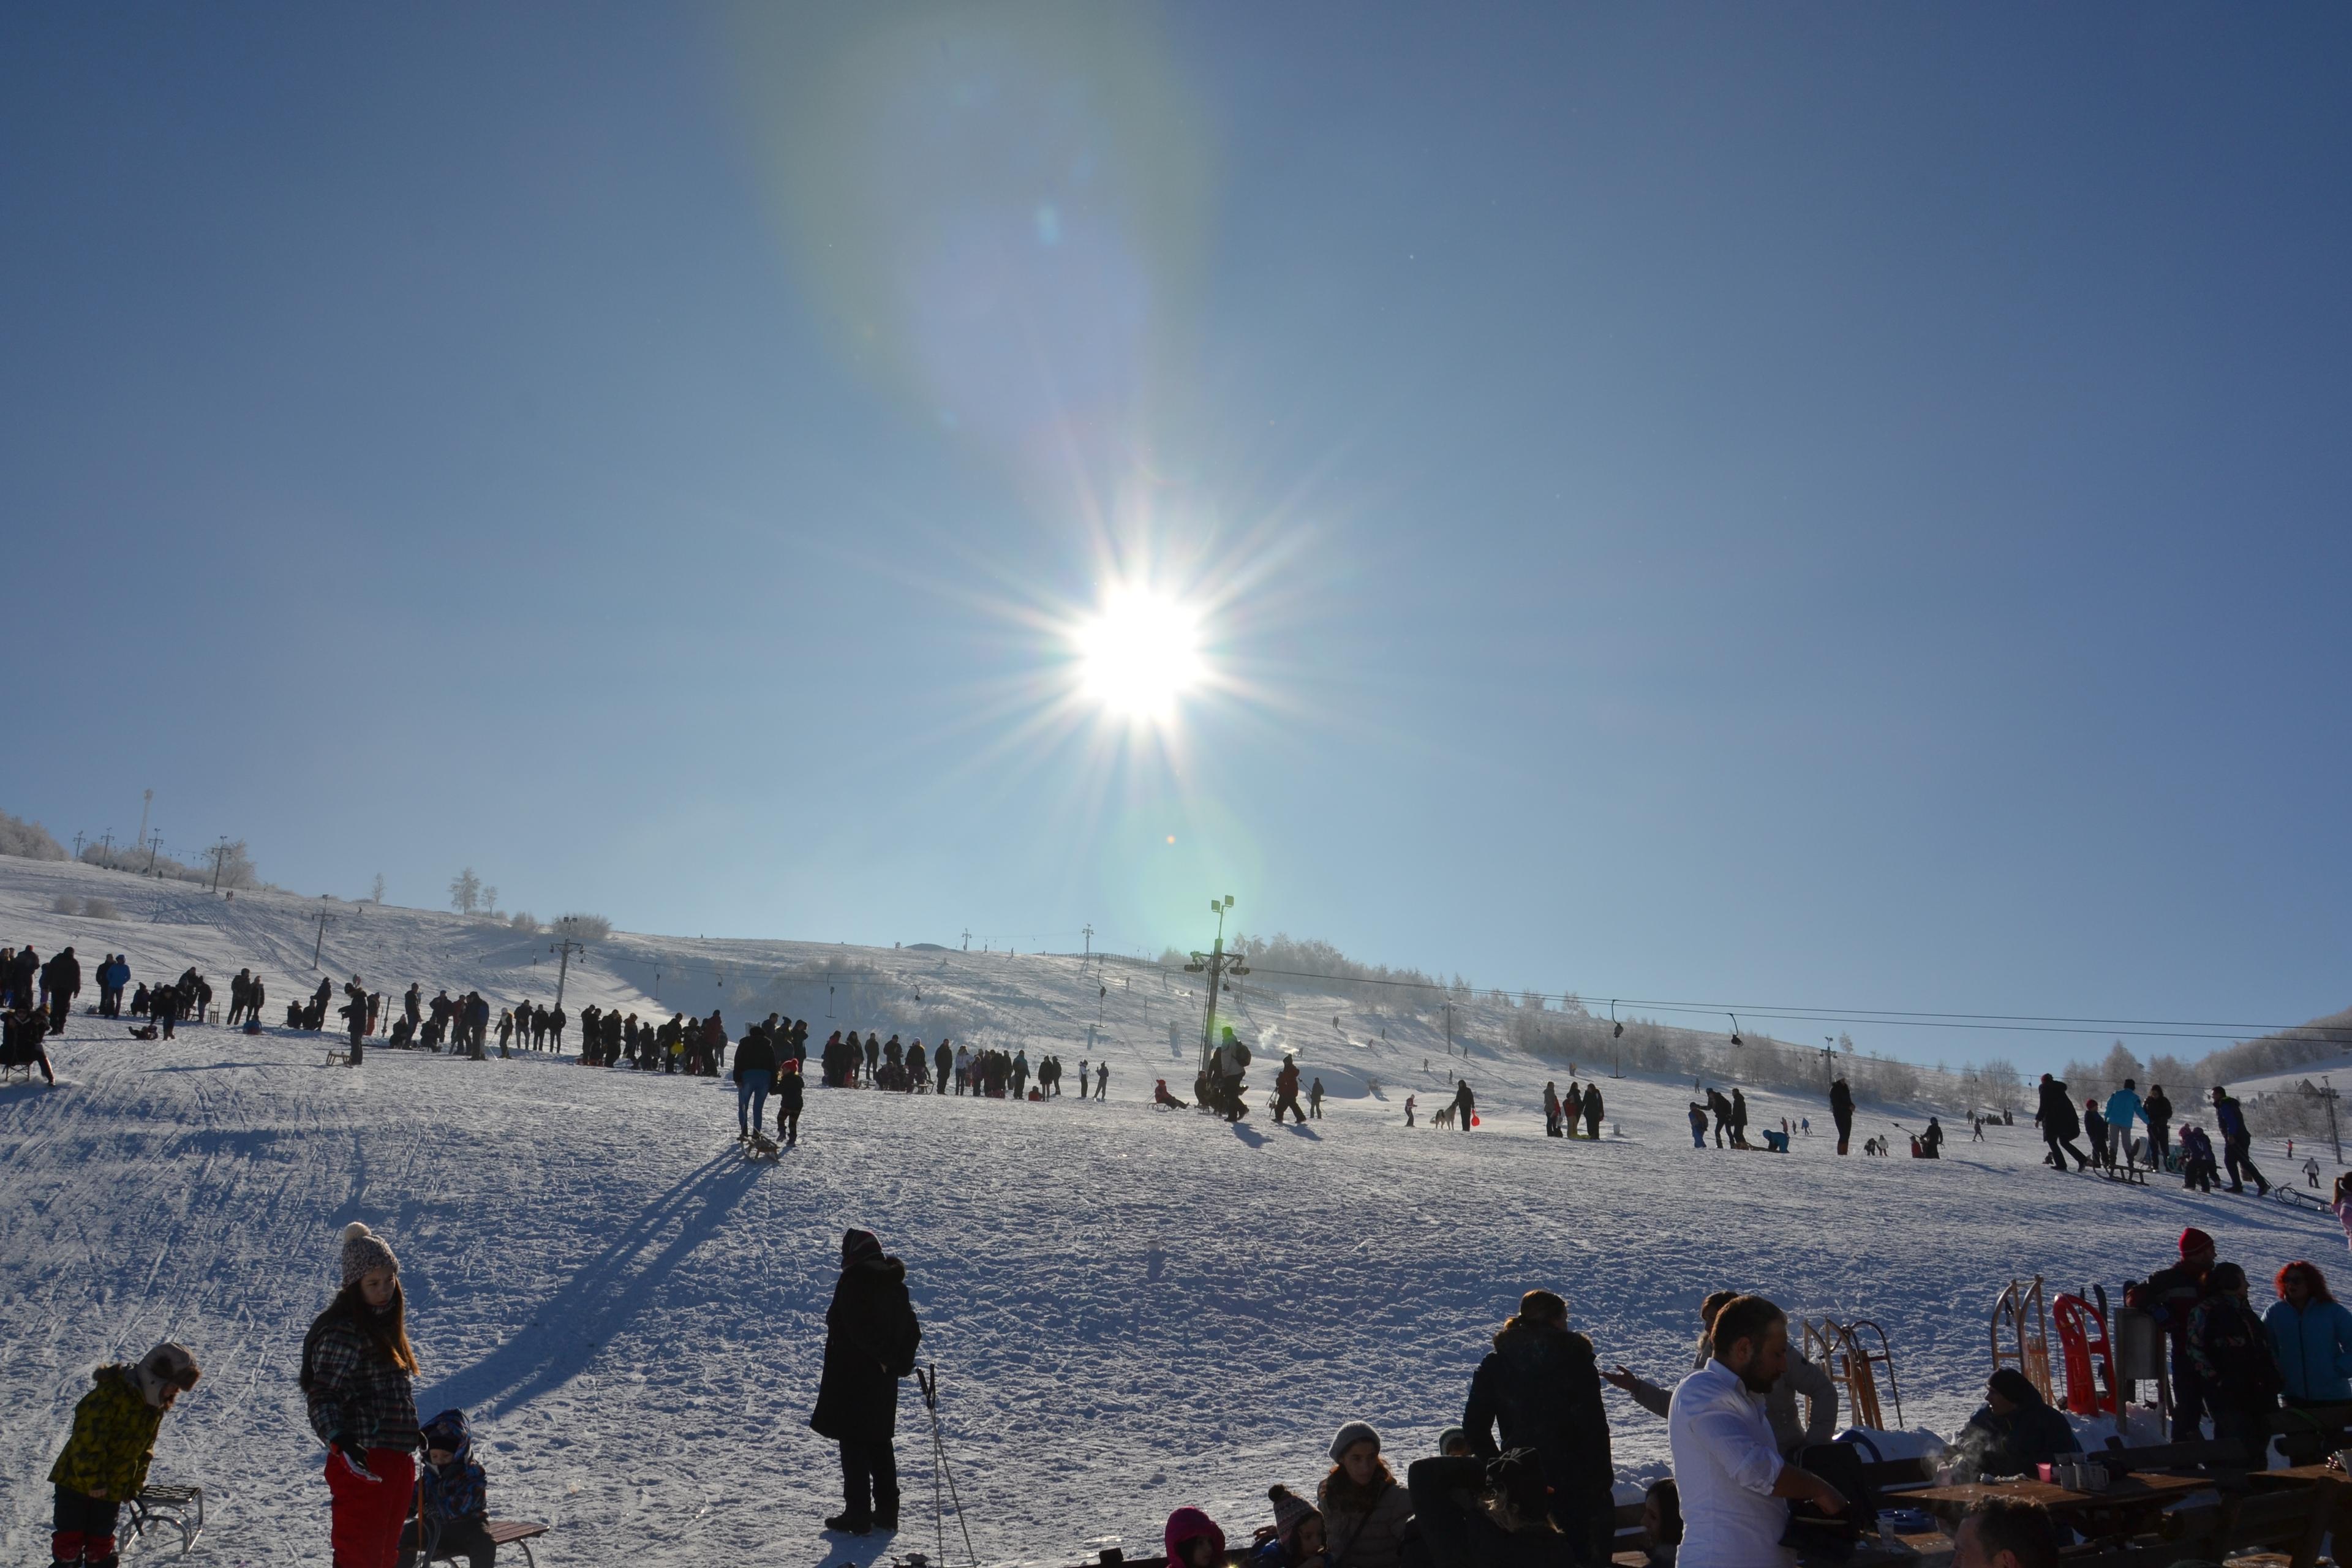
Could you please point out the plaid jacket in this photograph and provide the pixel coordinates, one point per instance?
(113, 1439)
(356, 1391)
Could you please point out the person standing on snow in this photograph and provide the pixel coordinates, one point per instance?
(2169, 1296)
(1465, 1105)
(61, 978)
(870, 1339)
(1315, 1099)
(1408, 1121)
(1842, 1112)
(789, 1086)
(1102, 1082)
(1551, 1110)
(2159, 1114)
(1592, 1110)
(104, 1464)
(2123, 1109)
(1540, 1386)
(755, 1074)
(357, 1381)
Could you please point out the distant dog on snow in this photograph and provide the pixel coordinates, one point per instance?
(1442, 1117)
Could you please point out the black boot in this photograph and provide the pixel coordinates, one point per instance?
(849, 1524)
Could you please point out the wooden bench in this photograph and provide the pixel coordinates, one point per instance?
(169, 1508)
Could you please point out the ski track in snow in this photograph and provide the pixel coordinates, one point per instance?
(1130, 1310)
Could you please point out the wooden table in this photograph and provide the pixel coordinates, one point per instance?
(2128, 1507)
(2301, 1475)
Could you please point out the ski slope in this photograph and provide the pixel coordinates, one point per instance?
(1130, 1310)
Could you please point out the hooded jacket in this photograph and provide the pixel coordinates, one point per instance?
(113, 1439)
(1189, 1524)
(1540, 1386)
(2058, 1118)
(870, 1340)
(458, 1489)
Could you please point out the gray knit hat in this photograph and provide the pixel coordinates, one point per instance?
(1353, 1433)
(363, 1249)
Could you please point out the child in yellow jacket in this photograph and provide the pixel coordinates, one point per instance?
(105, 1461)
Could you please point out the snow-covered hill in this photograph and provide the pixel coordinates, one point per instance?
(1129, 1309)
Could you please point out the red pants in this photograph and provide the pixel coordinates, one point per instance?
(369, 1514)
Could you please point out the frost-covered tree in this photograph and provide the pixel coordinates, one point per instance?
(583, 927)
(466, 891)
(28, 840)
(375, 890)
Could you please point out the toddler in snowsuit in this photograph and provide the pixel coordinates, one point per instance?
(105, 1461)
(453, 1498)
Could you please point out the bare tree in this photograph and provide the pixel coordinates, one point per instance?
(375, 893)
(466, 891)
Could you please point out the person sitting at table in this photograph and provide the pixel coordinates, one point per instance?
(1662, 1523)
(2000, 1532)
(2311, 1340)
(2013, 1430)
(2232, 1353)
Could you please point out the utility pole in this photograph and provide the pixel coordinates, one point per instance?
(1090, 934)
(2327, 1092)
(1449, 1026)
(219, 851)
(154, 845)
(567, 947)
(77, 846)
(1216, 964)
(1829, 1061)
(967, 939)
(320, 946)
(146, 799)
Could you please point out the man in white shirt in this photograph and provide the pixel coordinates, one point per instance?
(1735, 1485)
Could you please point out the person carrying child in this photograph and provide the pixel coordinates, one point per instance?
(453, 1501)
(104, 1464)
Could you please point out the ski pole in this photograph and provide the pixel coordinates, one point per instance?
(929, 1382)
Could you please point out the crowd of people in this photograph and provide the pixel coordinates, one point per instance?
(2107, 1130)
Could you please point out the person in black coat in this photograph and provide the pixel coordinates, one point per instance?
(2013, 1430)
(789, 1098)
(61, 978)
(2060, 1124)
(870, 1340)
(1540, 1386)
(2158, 1111)
(1842, 1112)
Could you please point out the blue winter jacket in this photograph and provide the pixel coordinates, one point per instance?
(2123, 1109)
(2312, 1349)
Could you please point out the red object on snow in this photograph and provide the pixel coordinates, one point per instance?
(1473, 1122)
(2083, 1338)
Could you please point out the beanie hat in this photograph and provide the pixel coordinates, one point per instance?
(859, 1244)
(363, 1249)
(2014, 1386)
(1448, 1438)
(2193, 1240)
(1290, 1510)
(1353, 1433)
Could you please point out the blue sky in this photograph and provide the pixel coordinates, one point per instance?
(1794, 504)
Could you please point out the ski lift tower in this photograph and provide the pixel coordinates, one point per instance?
(1216, 964)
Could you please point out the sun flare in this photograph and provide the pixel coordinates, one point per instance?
(1139, 653)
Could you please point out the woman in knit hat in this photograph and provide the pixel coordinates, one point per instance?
(358, 1369)
(1365, 1512)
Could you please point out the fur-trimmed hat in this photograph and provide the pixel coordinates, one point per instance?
(859, 1244)
(167, 1366)
(363, 1249)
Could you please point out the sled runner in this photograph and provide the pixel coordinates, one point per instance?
(759, 1148)
(501, 1532)
(180, 1509)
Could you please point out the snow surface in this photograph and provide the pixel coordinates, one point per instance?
(1130, 1310)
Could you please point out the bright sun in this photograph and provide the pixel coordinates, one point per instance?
(1139, 653)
